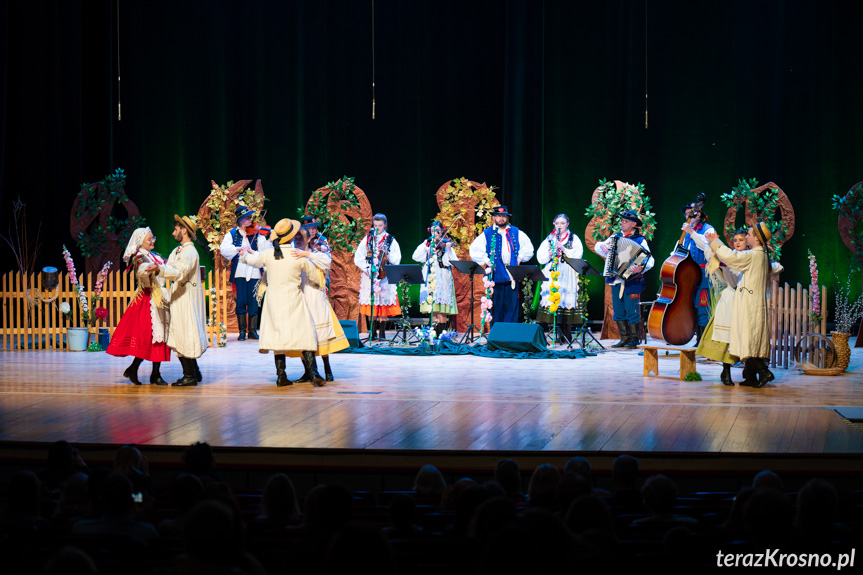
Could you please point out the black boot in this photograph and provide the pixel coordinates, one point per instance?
(253, 327)
(131, 372)
(188, 379)
(281, 377)
(198, 375)
(725, 376)
(634, 338)
(439, 329)
(328, 373)
(307, 375)
(699, 331)
(382, 330)
(241, 325)
(749, 373)
(155, 376)
(623, 328)
(765, 376)
(311, 366)
(566, 331)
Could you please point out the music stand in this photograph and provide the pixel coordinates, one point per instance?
(471, 269)
(410, 273)
(521, 273)
(583, 268)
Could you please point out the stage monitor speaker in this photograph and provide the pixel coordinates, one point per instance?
(351, 332)
(516, 337)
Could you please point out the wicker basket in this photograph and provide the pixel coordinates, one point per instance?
(822, 370)
(843, 351)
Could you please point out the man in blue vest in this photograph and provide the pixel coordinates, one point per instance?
(695, 242)
(245, 278)
(499, 245)
(626, 295)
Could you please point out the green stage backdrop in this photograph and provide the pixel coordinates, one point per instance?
(541, 99)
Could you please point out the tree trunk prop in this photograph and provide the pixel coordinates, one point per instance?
(344, 275)
(847, 231)
(459, 216)
(114, 243)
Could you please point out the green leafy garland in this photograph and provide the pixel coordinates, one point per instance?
(762, 205)
(404, 290)
(611, 201)
(92, 197)
(341, 235)
(222, 218)
(851, 206)
(527, 290)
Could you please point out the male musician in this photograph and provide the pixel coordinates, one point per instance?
(625, 295)
(695, 242)
(244, 277)
(501, 244)
(317, 242)
(375, 251)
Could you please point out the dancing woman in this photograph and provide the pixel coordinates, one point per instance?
(142, 331)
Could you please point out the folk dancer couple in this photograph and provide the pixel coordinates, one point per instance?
(158, 321)
(297, 319)
(738, 330)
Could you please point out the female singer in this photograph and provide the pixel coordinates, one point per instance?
(376, 250)
(561, 243)
(437, 294)
(143, 329)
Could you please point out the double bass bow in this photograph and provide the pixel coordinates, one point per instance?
(673, 316)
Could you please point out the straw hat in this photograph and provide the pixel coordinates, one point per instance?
(187, 223)
(285, 230)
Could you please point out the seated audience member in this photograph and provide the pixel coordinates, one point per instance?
(129, 461)
(117, 510)
(660, 494)
(624, 475)
(20, 514)
(186, 491)
(767, 479)
(402, 517)
(581, 466)
(506, 473)
(279, 504)
(198, 460)
(542, 490)
(213, 543)
(63, 460)
(429, 483)
(73, 502)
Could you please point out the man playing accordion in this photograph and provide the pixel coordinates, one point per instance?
(625, 294)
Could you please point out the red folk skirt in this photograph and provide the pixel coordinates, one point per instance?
(134, 334)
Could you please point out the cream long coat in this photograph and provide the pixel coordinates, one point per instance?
(750, 332)
(187, 331)
(286, 324)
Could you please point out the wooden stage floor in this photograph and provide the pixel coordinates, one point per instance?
(394, 404)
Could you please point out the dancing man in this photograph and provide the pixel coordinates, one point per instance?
(187, 334)
(560, 243)
(244, 239)
(375, 251)
(437, 294)
(286, 322)
(625, 295)
(498, 245)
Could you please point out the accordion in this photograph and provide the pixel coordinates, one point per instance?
(623, 255)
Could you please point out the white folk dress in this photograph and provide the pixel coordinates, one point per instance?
(443, 294)
(387, 299)
(286, 323)
(572, 248)
(331, 336)
(187, 331)
(750, 332)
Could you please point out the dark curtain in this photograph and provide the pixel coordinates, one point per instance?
(541, 99)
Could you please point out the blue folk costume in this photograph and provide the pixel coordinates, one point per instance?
(626, 295)
(701, 299)
(487, 249)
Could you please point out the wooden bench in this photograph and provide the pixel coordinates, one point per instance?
(651, 358)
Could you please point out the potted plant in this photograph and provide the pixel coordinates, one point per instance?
(78, 337)
(847, 314)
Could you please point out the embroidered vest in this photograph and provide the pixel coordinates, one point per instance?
(237, 241)
(500, 274)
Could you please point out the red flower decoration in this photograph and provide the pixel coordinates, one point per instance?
(101, 313)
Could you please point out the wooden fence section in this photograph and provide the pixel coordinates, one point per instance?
(30, 317)
(789, 310)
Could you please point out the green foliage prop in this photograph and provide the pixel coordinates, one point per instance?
(91, 199)
(763, 206)
(342, 233)
(611, 201)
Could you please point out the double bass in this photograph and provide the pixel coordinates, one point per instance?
(672, 316)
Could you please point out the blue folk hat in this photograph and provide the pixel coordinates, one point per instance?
(242, 212)
(631, 216)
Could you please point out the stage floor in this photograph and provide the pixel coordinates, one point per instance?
(378, 403)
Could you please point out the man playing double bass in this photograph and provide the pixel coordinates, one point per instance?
(626, 295)
(695, 242)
